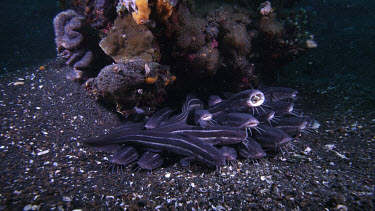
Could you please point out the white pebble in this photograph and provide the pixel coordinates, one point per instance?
(27, 207)
(43, 152)
(329, 146)
(17, 192)
(268, 179)
(67, 199)
(307, 150)
(315, 125)
(311, 44)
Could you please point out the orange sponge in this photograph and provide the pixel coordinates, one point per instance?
(151, 80)
(163, 9)
(141, 16)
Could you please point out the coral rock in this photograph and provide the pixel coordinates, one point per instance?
(141, 16)
(132, 84)
(128, 42)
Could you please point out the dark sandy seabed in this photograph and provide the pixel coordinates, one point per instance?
(44, 166)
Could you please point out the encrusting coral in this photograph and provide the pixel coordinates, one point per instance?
(163, 9)
(140, 9)
(126, 4)
(127, 41)
(189, 31)
(143, 12)
(238, 40)
(97, 13)
(207, 59)
(190, 38)
(186, 18)
(269, 25)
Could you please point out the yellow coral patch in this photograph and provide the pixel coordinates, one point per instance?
(164, 9)
(166, 82)
(151, 80)
(143, 12)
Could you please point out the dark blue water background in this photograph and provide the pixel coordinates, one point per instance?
(26, 33)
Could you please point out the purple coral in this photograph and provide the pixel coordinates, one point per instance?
(97, 13)
(72, 38)
(66, 26)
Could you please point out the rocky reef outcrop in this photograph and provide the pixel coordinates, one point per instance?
(226, 48)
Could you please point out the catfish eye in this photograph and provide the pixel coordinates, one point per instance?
(256, 99)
